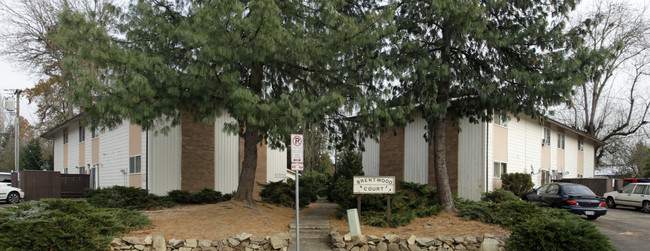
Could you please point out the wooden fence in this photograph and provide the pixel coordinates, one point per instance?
(45, 184)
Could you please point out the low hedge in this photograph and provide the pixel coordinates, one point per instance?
(62, 224)
(141, 199)
(127, 198)
(538, 228)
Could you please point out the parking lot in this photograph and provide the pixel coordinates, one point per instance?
(628, 228)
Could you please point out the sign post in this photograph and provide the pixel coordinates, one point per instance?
(374, 185)
(297, 165)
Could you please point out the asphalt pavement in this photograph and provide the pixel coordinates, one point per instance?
(626, 227)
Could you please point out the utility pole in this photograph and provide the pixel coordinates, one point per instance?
(17, 128)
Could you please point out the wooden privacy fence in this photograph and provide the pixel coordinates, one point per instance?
(45, 184)
(598, 185)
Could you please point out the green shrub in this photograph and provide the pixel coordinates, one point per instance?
(127, 198)
(410, 200)
(517, 183)
(207, 196)
(284, 193)
(498, 196)
(507, 214)
(59, 224)
(320, 182)
(180, 196)
(568, 232)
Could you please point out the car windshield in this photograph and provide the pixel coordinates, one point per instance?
(578, 190)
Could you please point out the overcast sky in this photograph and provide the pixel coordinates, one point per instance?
(12, 77)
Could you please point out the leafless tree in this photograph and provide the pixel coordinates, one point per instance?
(612, 102)
(27, 44)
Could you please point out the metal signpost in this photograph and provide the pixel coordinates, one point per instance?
(296, 165)
(374, 185)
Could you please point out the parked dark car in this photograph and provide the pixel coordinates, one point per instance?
(576, 198)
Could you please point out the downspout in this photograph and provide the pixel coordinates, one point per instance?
(487, 145)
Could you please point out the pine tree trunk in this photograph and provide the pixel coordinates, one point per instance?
(442, 179)
(440, 125)
(247, 175)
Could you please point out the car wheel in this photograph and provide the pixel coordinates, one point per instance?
(646, 206)
(610, 202)
(592, 217)
(13, 198)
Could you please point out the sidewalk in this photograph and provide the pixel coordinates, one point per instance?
(314, 227)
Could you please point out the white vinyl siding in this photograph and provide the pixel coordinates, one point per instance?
(471, 160)
(571, 156)
(276, 165)
(416, 151)
(226, 159)
(370, 157)
(58, 152)
(114, 156)
(164, 161)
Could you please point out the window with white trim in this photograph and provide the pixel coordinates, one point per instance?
(82, 134)
(501, 119)
(94, 134)
(500, 168)
(547, 136)
(560, 141)
(581, 145)
(134, 164)
(65, 137)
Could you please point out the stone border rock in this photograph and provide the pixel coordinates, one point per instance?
(242, 241)
(392, 242)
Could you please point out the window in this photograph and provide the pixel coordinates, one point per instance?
(501, 119)
(547, 136)
(134, 164)
(553, 189)
(581, 145)
(82, 169)
(560, 140)
(65, 137)
(500, 168)
(94, 134)
(65, 170)
(628, 188)
(82, 134)
(639, 189)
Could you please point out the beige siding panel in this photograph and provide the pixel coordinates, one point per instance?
(370, 157)
(95, 150)
(276, 164)
(471, 160)
(226, 159)
(588, 160)
(500, 143)
(416, 152)
(82, 154)
(581, 161)
(135, 140)
(65, 156)
(135, 180)
(546, 157)
(560, 160)
(165, 161)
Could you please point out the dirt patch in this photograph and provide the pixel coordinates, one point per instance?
(217, 221)
(447, 224)
(227, 219)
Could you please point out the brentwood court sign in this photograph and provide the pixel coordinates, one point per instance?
(374, 185)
